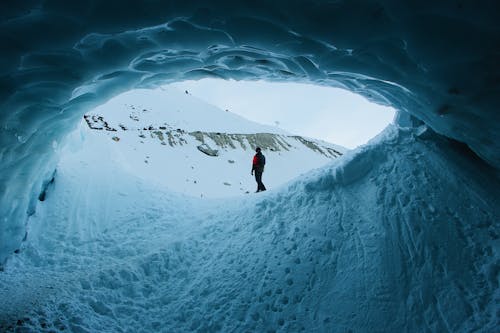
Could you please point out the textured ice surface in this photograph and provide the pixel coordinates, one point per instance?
(435, 61)
(397, 236)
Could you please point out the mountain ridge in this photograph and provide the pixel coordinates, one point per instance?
(222, 140)
(210, 149)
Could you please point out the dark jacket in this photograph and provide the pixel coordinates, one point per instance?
(258, 162)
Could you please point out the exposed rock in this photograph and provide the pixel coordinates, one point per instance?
(325, 151)
(97, 123)
(204, 148)
(159, 134)
(267, 141)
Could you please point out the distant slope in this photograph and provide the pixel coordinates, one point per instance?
(170, 107)
(197, 149)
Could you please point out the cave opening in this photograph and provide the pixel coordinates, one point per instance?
(210, 128)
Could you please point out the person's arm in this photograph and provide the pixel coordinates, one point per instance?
(254, 162)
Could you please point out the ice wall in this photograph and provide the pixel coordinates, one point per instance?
(437, 62)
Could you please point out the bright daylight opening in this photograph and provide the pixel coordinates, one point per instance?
(199, 137)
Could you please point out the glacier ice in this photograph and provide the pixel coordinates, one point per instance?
(437, 63)
(374, 242)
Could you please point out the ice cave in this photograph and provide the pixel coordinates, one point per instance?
(398, 235)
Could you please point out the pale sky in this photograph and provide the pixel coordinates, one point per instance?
(331, 114)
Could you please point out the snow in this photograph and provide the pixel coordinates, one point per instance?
(68, 58)
(345, 247)
(399, 235)
(155, 135)
(179, 109)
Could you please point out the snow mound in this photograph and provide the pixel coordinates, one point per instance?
(346, 248)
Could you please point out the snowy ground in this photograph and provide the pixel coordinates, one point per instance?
(183, 168)
(151, 134)
(347, 248)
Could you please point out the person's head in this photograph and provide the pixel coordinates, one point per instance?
(257, 149)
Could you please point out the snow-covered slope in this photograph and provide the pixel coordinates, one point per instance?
(172, 108)
(172, 138)
(346, 248)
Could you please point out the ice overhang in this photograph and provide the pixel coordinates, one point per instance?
(436, 62)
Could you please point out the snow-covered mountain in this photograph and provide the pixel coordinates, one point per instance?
(174, 139)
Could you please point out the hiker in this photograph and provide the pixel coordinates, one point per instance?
(258, 166)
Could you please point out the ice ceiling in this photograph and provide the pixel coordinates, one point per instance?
(436, 62)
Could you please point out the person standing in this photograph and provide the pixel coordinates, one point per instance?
(259, 160)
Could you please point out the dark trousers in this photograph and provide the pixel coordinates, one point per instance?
(258, 179)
